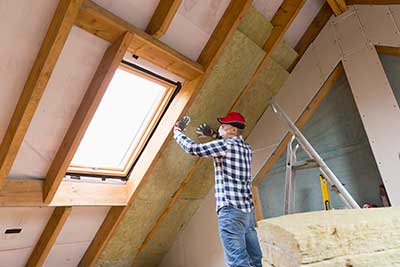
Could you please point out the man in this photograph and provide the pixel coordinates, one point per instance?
(235, 208)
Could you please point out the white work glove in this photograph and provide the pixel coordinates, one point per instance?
(204, 131)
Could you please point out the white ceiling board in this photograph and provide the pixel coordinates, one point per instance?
(76, 235)
(193, 25)
(66, 255)
(302, 21)
(378, 24)
(23, 27)
(32, 222)
(71, 77)
(136, 12)
(15, 257)
(267, 7)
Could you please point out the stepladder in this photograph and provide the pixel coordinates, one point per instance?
(314, 160)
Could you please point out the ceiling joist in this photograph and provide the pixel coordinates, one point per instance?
(338, 6)
(98, 86)
(281, 21)
(162, 17)
(109, 27)
(49, 236)
(212, 51)
(57, 33)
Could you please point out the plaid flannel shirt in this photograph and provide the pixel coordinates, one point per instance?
(232, 162)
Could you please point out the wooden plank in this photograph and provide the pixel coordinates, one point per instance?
(312, 32)
(338, 6)
(163, 133)
(388, 50)
(57, 33)
(98, 86)
(109, 27)
(162, 17)
(282, 20)
(49, 236)
(29, 193)
(230, 20)
(305, 116)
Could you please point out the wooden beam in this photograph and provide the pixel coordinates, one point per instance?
(109, 27)
(234, 12)
(98, 86)
(29, 193)
(305, 116)
(49, 236)
(312, 32)
(162, 17)
(338, 6)
(163, 133)
(281, 21)
(57, 33)
(388, 50)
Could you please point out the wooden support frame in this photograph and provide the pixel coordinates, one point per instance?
(110, 62)
(312, 32)
(49, 236)
(56, 36)
(109, 27)
(29, 193)
(162, 17)
(305, 116)
(281, 21)
(224, 30)
(338, 6)
(388, 50)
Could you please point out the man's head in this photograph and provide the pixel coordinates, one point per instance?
(232, 125)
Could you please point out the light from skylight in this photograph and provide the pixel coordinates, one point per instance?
(122, 116)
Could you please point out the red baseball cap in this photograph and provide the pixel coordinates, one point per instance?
(235, 119)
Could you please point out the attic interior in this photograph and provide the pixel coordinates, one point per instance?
(90, 174)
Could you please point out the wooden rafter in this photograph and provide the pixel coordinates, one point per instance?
(305, 116)
(162, 17)
(388, 50)
(338, 6)
(160, 138)
(29, 193)
(281, 21)
(49, 236)
(312, 32)
(98, 86)
(57, 33)
(109, 27)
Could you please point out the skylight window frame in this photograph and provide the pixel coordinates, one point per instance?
(144, 133)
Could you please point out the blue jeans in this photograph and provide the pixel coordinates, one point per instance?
(239, 238)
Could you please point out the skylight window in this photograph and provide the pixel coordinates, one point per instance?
(123, 122)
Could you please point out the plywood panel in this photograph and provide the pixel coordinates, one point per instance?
(66, 254)
(23, 27)
(380, 115)
(71, 77)
(378, 24)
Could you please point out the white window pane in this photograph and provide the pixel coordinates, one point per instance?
(123, 111)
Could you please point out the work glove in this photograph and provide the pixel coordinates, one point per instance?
(182, 123)
(204, 131)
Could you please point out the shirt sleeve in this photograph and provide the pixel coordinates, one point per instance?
(213, 149)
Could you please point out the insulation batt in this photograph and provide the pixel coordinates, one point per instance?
(349, 238)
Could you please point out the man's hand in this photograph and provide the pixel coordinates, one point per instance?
(182, 123)
(204, 131)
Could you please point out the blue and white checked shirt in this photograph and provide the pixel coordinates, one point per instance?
(232, 161)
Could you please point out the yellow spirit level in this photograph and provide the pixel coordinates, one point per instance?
(325, 192)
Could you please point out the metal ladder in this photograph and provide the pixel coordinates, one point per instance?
(314, 161)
